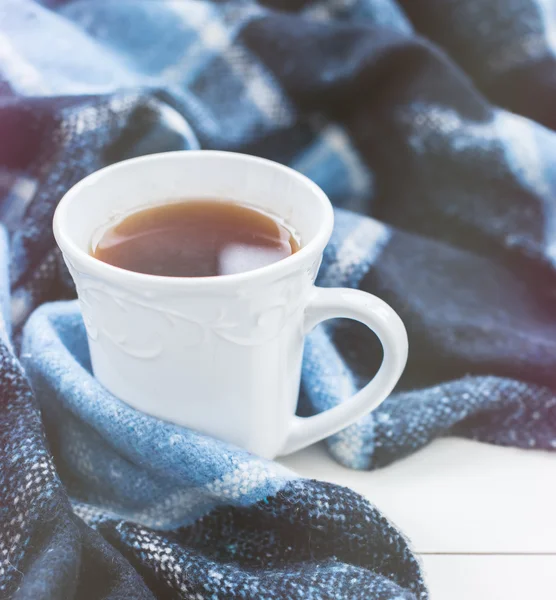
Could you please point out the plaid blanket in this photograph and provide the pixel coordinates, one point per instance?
(430, 126)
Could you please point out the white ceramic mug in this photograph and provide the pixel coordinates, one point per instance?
(218, 354)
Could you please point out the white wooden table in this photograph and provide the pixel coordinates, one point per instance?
(482, 518)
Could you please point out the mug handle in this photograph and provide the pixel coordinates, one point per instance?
(331, 303)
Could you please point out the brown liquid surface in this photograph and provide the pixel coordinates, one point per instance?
(196, 238)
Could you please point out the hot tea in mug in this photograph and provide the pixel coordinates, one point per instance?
(196, 310)
(196, 238)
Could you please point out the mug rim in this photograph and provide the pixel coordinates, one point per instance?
(275, 270)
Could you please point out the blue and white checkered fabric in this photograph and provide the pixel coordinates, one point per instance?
(430, 125)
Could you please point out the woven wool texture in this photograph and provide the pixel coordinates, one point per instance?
(430, 126)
